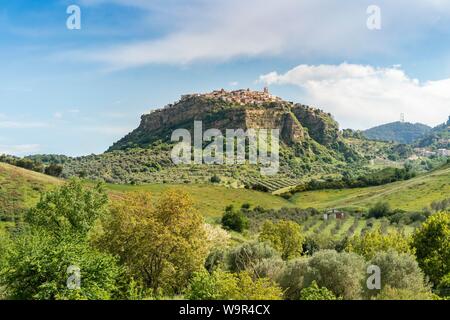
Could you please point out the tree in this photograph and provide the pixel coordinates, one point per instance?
(285, 236)
(342, 273)
(399, 271)
(314, 292)
(54, 170)
(293, 280)
(371, 242)
(432, 244)
(234, 220)
(247, 256)
(379, 210)
(71, 208)
(39, 263)
(389, 293)
(55, 239)
(162, 244)
(222, 285)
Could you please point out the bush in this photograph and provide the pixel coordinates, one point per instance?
(230, 286)
(234, 220)
(399, 271)
(314, 292)
(215, 179)
(389, 293)
(379, 210)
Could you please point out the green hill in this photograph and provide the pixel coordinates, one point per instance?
(20, 189)
(410, 195)
(401, 132)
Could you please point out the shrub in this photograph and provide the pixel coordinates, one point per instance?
(399, 271)
(215, 179)
(379, 210)
(314, 292)
(221, 285)
(389, 293)
(234, 220)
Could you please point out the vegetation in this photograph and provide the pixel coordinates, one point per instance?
(285, 236)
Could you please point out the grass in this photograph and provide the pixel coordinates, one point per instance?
(410, 195)
(20, 188)
(211, 200)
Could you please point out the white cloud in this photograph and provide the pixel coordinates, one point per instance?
(107, 130)
(363, 96)
(19, 150)
(222, 30)
(57, 115)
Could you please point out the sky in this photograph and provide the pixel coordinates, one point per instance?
(76, 91)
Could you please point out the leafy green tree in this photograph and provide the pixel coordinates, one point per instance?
(285, 236)
(314, 292)
(38, 269)
(373, 241)
(55, 239)
(234, 220)
(222, 285)
(399, 271)
(70, 209)
(161, 243)
(342, 273)
(432, 244)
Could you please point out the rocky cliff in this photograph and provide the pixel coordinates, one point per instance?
(230, 110)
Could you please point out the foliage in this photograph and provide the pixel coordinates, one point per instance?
(389, 293)
(314, 292)
(54, 170)
(399, 271)
(161, 244)
(38, 265)
(432, 244)
(342, 273)
(285, 236)
(71, 208)
(293, 280)
(247, 256)
(234, 220)
(230, 286)
(379, 210)
(371, 242)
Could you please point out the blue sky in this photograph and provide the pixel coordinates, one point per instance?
(75, 92)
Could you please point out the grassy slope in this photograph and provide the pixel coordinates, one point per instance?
(211, 200)
(413, 194)
(20, 188)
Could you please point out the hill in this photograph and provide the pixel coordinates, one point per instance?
(410, 195)
(20, 189)
(311, 143)
(400, 132)
(437, 138)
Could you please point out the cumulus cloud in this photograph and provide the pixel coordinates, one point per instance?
(222, 30)
(363, 96)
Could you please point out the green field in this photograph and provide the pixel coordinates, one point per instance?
(410, 195)
(211, 200)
